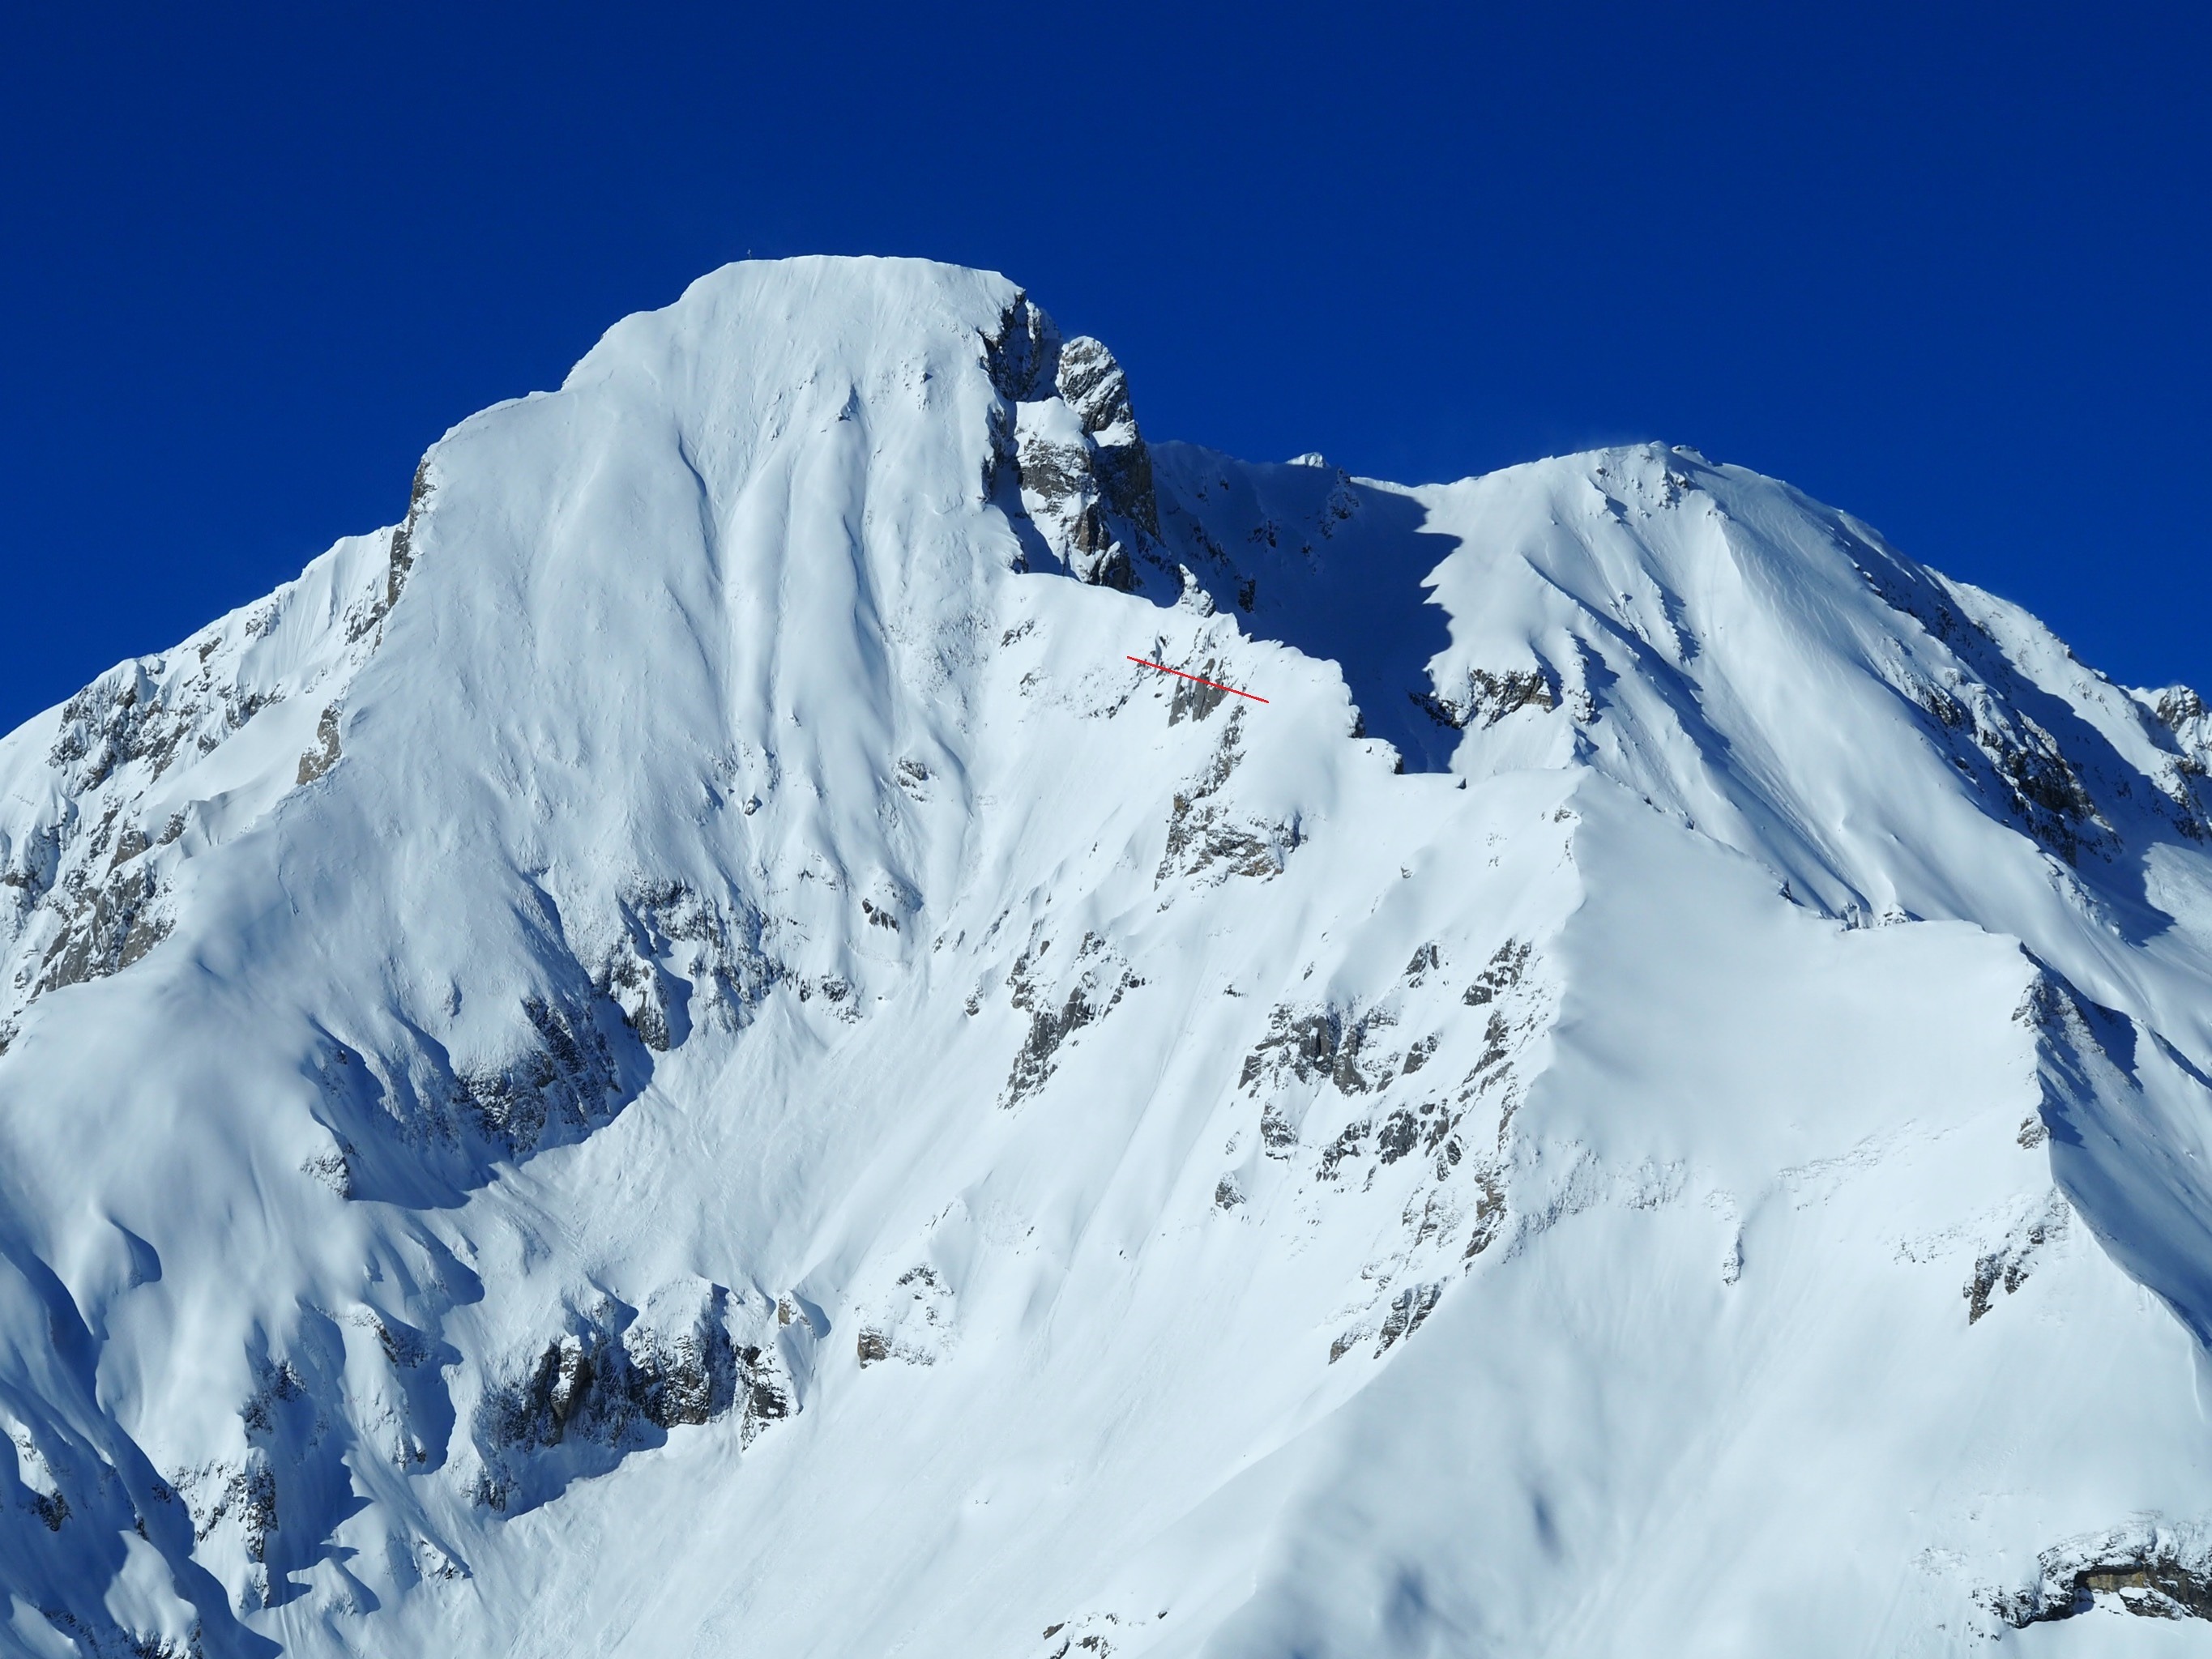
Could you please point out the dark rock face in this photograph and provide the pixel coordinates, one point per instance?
(567, 1078)
(324, 756)
(1099, 982)
(1500, 973)
(1097, 391)
(617, 1381)
(1415, 1134)
(1068, 437)
(114, 924)
(1407, 1310)
(2009, 1265)
(403, 539)
(1206, 839)
(2154, 1568)
(1490, 697)
(1023, 354)
(1400, 1130)
(1319, 1044)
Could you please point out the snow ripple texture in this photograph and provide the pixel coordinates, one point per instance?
(679, 1054)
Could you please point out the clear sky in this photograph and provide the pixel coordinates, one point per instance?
(1943, 266)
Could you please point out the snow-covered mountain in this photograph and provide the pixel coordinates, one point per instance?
(682, 1054)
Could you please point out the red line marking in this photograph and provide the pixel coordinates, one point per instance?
(1179, 674)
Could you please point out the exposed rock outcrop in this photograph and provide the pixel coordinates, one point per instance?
(619, 1378)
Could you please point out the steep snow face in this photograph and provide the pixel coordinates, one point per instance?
(682, 1053)
(1772, 676)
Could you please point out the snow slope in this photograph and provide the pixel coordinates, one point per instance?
(680, 1054)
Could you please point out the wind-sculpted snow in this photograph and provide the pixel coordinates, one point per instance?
(682, 1054)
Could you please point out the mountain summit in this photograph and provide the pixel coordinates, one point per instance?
(699, 1049)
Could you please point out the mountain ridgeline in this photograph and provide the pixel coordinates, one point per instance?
(681, 1053)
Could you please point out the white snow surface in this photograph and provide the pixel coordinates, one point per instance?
(682, 1056)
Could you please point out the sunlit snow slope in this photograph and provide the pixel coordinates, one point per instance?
(682, 1056)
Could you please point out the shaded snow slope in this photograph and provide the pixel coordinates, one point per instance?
(680, 1053)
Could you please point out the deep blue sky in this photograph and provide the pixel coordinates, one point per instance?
(1944, 267)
